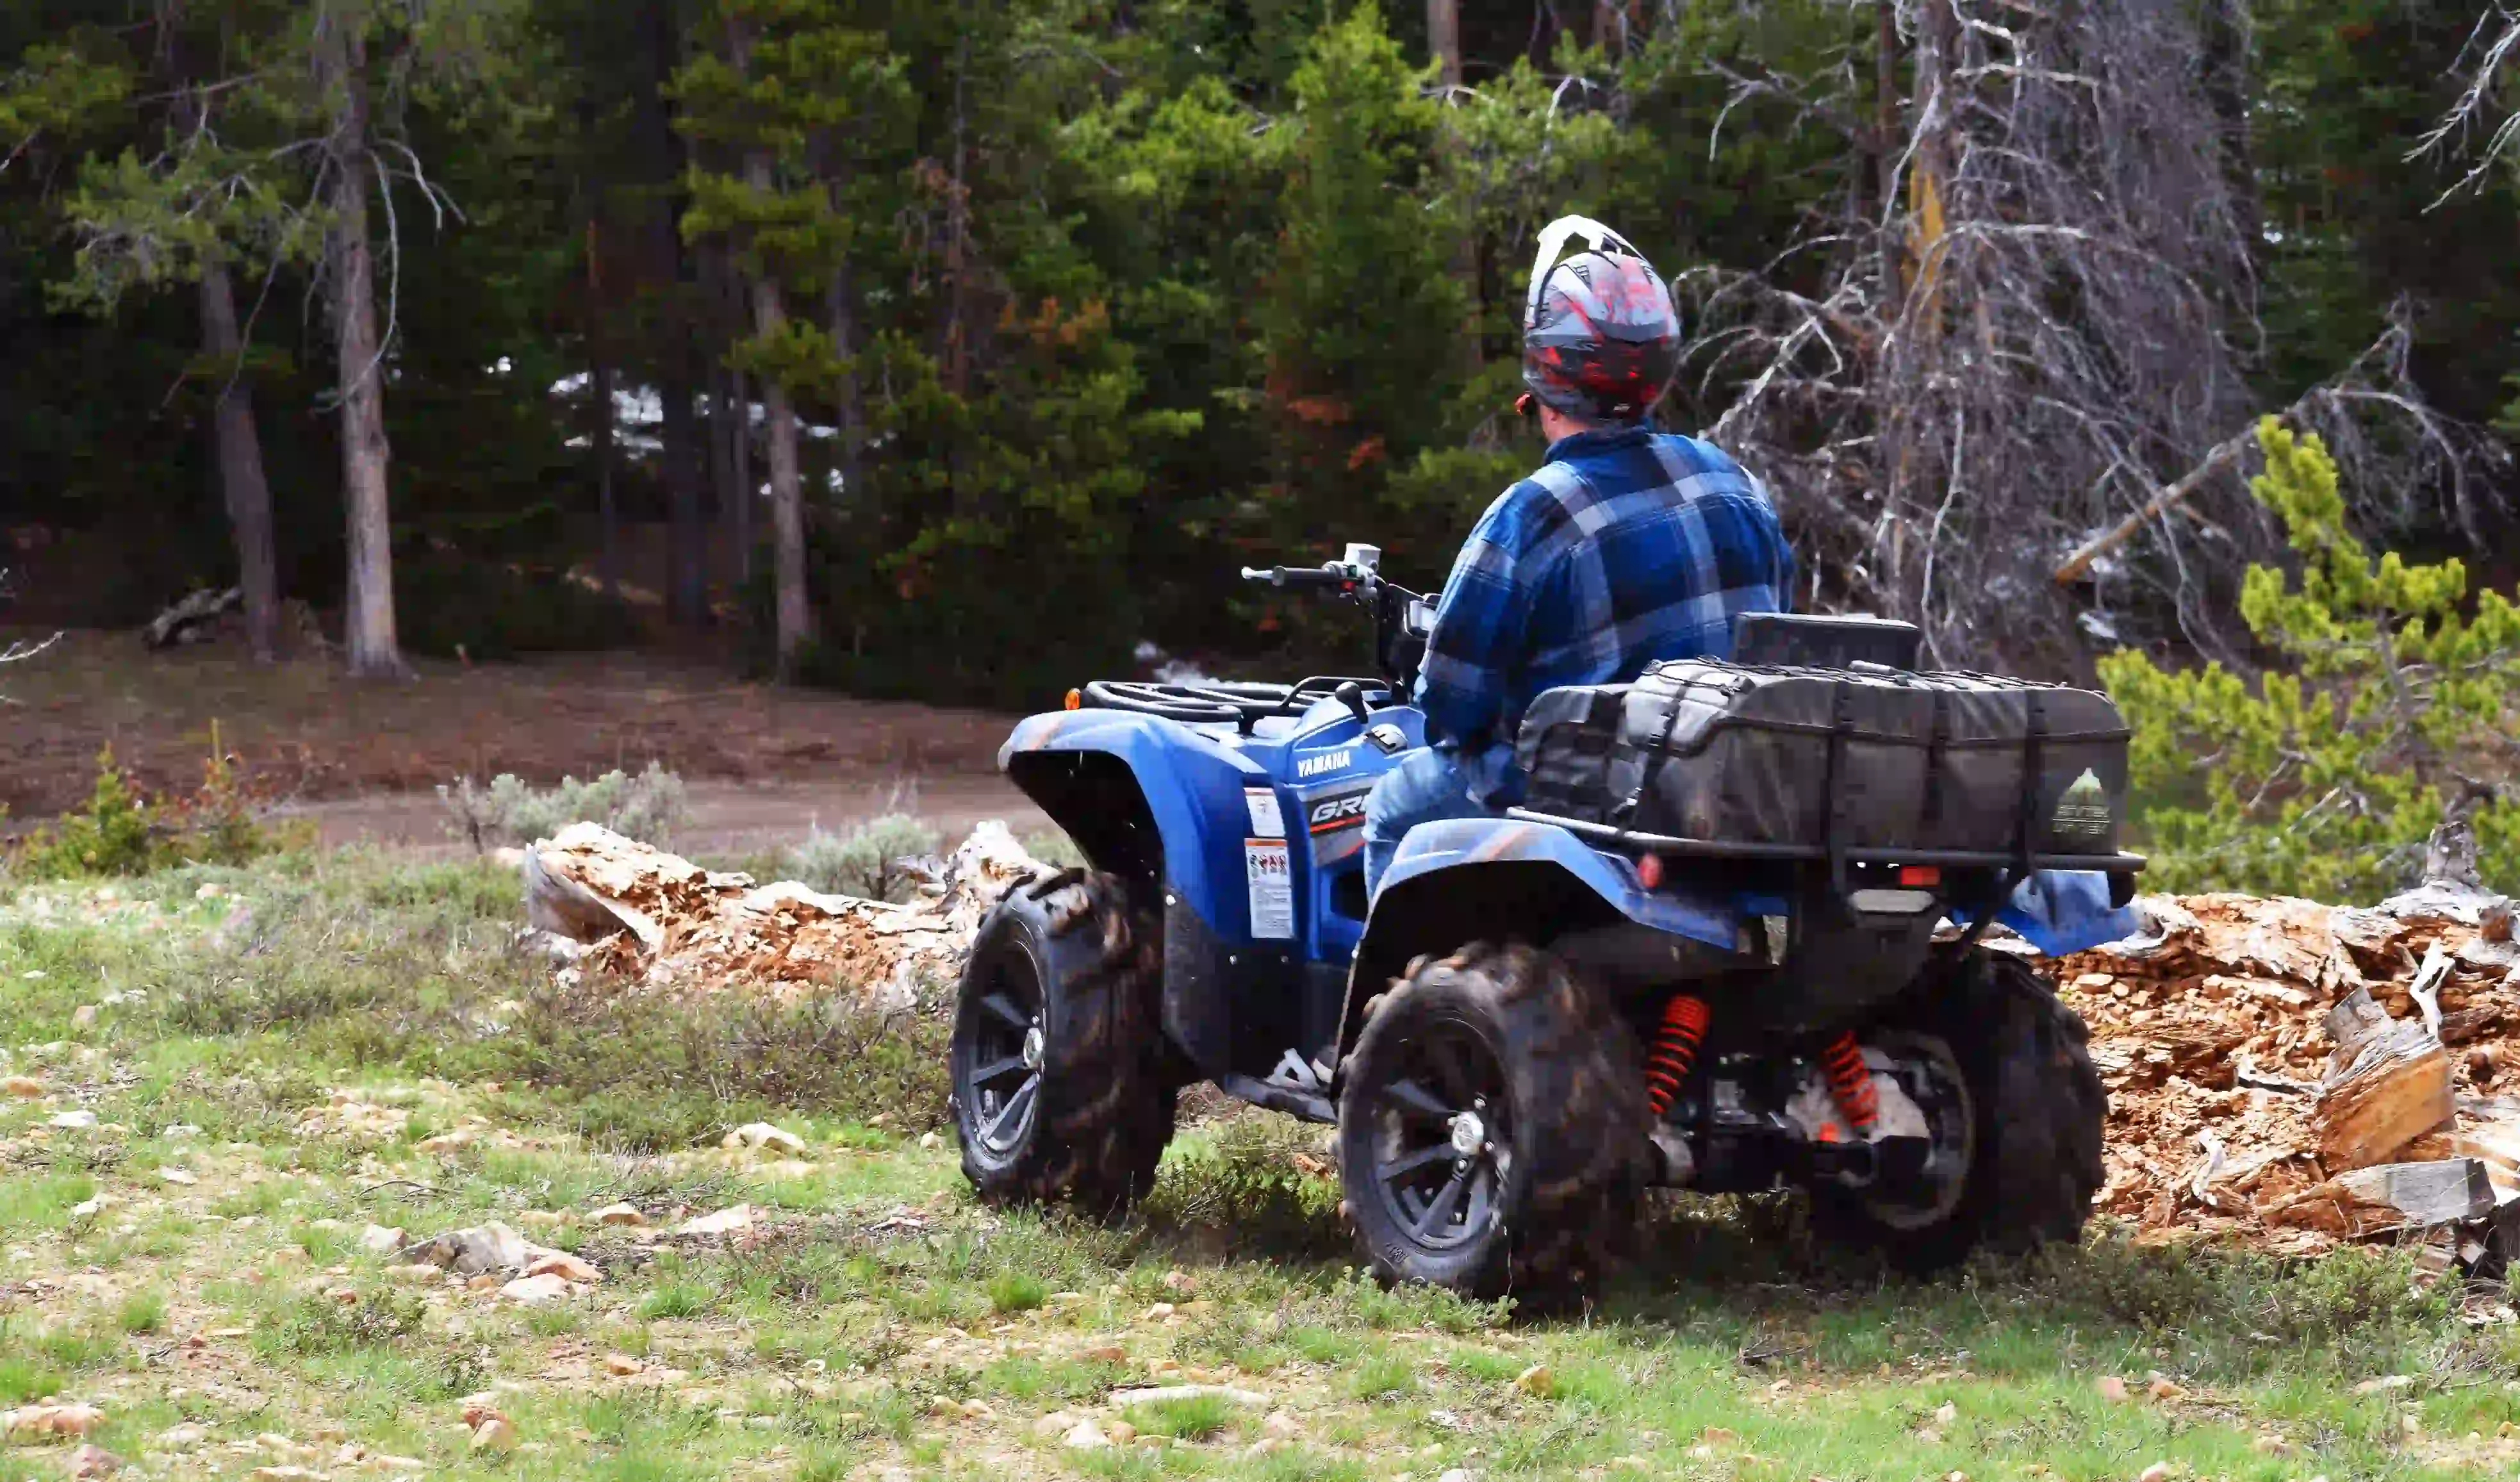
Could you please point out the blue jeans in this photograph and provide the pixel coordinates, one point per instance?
(1427, 787)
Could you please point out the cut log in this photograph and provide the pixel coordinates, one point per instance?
(2388, 1084)
(2392, 1197)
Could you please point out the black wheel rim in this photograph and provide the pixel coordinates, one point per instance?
(999, 1079)
(1443, 1143)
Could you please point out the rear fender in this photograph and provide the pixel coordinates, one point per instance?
(1492, 879)
(1162, 805)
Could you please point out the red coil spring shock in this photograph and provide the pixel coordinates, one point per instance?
(1675, 1050)
(1850, 1080)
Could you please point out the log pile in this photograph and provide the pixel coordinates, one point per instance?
(2302, 1074)
(607, 905)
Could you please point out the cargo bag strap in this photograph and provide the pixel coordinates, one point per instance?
(2033, 768)
(1931, 814)
(1841, 725)
(1626, 812)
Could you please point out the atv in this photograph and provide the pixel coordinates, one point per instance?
(1539, 1014)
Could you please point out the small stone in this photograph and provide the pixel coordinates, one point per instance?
(179, 1177)
(1927, 1435)
(2391, 1381)
(621, 1365)
(22, 1086)
(1055, 1423)
(2113, 1389)
(626, 1216)
(1535, 1380)
(724, 1222)
(2272, 1444)
(1180, 1280)
(1085, 1435)
(2411, 1423)
(1157, 1313)
(1949, 1414)
(92, 1461)
(928, 1140)
(51, 1420)
(975, 1409)
(284, 1474)
(564, 1265)
(1280, 1423)
(415, 1275)
(762, 1136)
(83, 1017)
(1121, 1432)
(543, 1219)
(2161, 1388)
(1105, 1353)
(2159, 1471)
(482, 1282)
(495, 1432)
(1457, 1475)
(182, 1437)
(382, 1239)
(73, 1121)
(529, 1291)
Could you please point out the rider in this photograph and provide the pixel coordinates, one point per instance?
(1625, 547)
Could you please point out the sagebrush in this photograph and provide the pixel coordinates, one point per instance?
(649, 807)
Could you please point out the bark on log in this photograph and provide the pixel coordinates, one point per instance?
(2388, 1084)
(2375, 1200)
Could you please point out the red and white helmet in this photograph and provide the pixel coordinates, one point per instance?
(1600, 338)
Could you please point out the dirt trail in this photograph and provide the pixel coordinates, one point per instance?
(364, 758)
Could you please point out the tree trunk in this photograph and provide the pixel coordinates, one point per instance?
(841, 315)
(241, 484)
(1885, 146)
(687, 584)
(786, 492)
(747, 496)
(608, 511)
(368, 617)
(1444, 41)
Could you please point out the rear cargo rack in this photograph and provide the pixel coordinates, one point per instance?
(1628, 840)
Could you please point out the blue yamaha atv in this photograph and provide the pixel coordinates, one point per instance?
(1543, 1014)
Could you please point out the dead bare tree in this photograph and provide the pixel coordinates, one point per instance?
(2491, 47)
(2037, 316)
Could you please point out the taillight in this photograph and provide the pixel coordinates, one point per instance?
(1649, 872)
(1076, 699)
(1919, 877)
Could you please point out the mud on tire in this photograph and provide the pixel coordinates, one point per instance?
(1058, 1005)
(1557, 1209)
(2038, 1114)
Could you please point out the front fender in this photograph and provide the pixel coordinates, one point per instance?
(1192, 786)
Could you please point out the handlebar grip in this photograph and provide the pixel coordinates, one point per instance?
(1297, 576)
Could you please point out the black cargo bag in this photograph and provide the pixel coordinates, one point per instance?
(1832, 758)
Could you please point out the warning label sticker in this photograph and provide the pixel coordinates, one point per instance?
(1273, 889)
(1266, 820)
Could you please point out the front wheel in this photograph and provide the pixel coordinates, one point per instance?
(1492, 1127)
(1058, 1091)
(2005, 1076)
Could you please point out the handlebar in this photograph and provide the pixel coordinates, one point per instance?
(1331, 575)
(1400, 615)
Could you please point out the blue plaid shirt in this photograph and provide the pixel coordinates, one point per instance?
(1626, 546)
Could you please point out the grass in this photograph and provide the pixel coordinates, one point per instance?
(873, 1318)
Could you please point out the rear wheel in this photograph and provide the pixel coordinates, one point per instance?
(1492, 1127)
(2016, 1109)
(1057, 1092)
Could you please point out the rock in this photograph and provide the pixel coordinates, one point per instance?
(1122, 1433)
(494, 1432)
(761, 1137)
(1105, 1353)
(181, 1178)
(475, 1250)
(1949, 1414)
(2271, 1445)
(621, 1365)
(1280, 1423)
(724, 1222)
(1457, 1475)
(2162, 1387)
(2113, 1389)
(978, 1410)
(22, 1086)
(1535, 1380)
(73, 1121)
(381, 1240)
(1126, 1398)
(529, 1290)
(1157, 1313)
(183, 1437)
(417, 1274)
(92, 1461)
(2159, 1471)
(624, 1215)
(2386, 1382)
(1085, 1435)
(284, 1474)
(928, 1140)
(1180, 1280)
(564, 1265)
(38, 1421)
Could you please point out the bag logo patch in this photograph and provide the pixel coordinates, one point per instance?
(2084, 810)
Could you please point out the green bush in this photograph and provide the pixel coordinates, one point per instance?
(457, 607)
(123, 831)
(2328, 778)
(865, 860)
(648, 807)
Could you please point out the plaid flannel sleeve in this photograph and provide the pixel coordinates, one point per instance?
(1478, 633)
